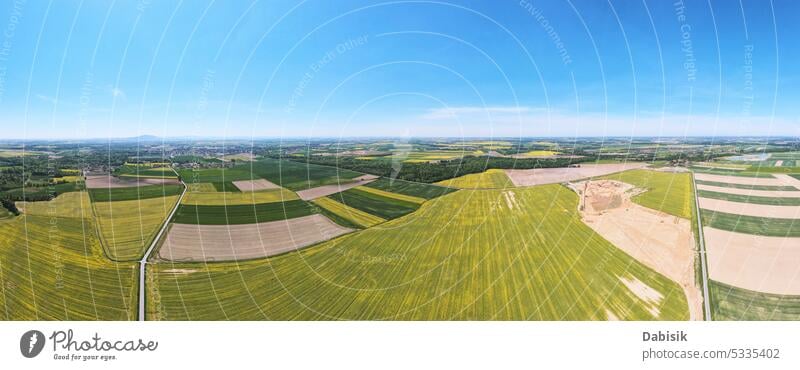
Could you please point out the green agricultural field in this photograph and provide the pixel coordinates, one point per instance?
(299, 176)
(387, 194)
(467, 256)
(233, 199)
(736, 304)
(288, 174)
(128, 227)
(374, 204)
(360, 218)
(54, 269)
(491, 179)
(717, 171)
(74, 204)
(53, 190)
(667, 192)
(140, 171)
(242, 214)
(225, 187)
(201, 175)
(751, 225)
(202, 187)
(748, 187)
(414, 189)
(134, 193)
(750, 199)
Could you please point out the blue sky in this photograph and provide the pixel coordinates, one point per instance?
(79, 69)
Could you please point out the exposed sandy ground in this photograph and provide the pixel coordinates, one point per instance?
(254, 185)
(788, 180)
(778, 163)
(106, 181)
(541, 176)
(769, 181)
(232, 242)
(322, 191)
(760, 263)
(662, 242)
(749, 209)
(751, 193)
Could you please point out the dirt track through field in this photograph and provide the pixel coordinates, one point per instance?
(760, 263)
(741, 180)
(750, 192)
(663, 242)
(106, 182)
(325, 190)
(788, 180)
(541, 176)
(254, 185)
(237, 242)
(749, 209)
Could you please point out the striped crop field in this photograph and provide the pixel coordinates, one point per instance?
(472, 255)
(73, 204)
(387, 194)
(233, 199)
(732, 303)
(490, 179)
(53, 268)
(414, 189)
(134, 193)
(128, 227)
(771, 201)
(360, 218)
(242, 214)
(751, 225)
(375, 204)
(667, 192)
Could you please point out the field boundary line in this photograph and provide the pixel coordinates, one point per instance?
(703, 262)
(146, 256)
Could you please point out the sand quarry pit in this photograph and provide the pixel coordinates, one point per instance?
(106, 182)
(325, 190)
(254, 185)
(660, 241)
(542, 176)
(760, 263)
(237, 242)
(750, 209)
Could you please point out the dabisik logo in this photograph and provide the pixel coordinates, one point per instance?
(31, 343)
